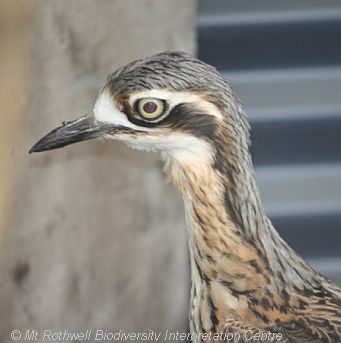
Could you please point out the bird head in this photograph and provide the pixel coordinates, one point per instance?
(170, 102)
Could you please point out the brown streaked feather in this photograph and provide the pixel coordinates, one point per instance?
(262, 281)
(244, 276)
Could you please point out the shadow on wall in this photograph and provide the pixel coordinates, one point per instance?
(85, 240)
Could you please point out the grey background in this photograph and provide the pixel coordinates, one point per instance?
(91, 236)
(284, 61)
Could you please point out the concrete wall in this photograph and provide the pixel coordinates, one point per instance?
(91, 235)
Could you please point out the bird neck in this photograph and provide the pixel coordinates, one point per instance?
(230, 237)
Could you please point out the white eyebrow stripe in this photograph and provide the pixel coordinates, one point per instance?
(105, 110)
(175, 98)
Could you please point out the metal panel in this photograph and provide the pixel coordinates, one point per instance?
(284, 61)
(269, 45)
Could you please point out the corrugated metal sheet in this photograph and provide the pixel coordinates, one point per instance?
(284, 61)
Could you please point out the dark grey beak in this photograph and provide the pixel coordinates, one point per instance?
(81, 129)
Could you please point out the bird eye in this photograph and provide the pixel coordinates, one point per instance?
(150, 108)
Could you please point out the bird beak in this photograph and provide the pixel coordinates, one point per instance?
(81, 129)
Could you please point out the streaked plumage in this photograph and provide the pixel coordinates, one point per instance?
(245, 278)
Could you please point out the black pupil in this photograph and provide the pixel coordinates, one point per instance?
(150, 107)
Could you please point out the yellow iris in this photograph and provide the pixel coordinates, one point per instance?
(150, 108)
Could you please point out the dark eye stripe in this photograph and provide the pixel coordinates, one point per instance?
(183, 117)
